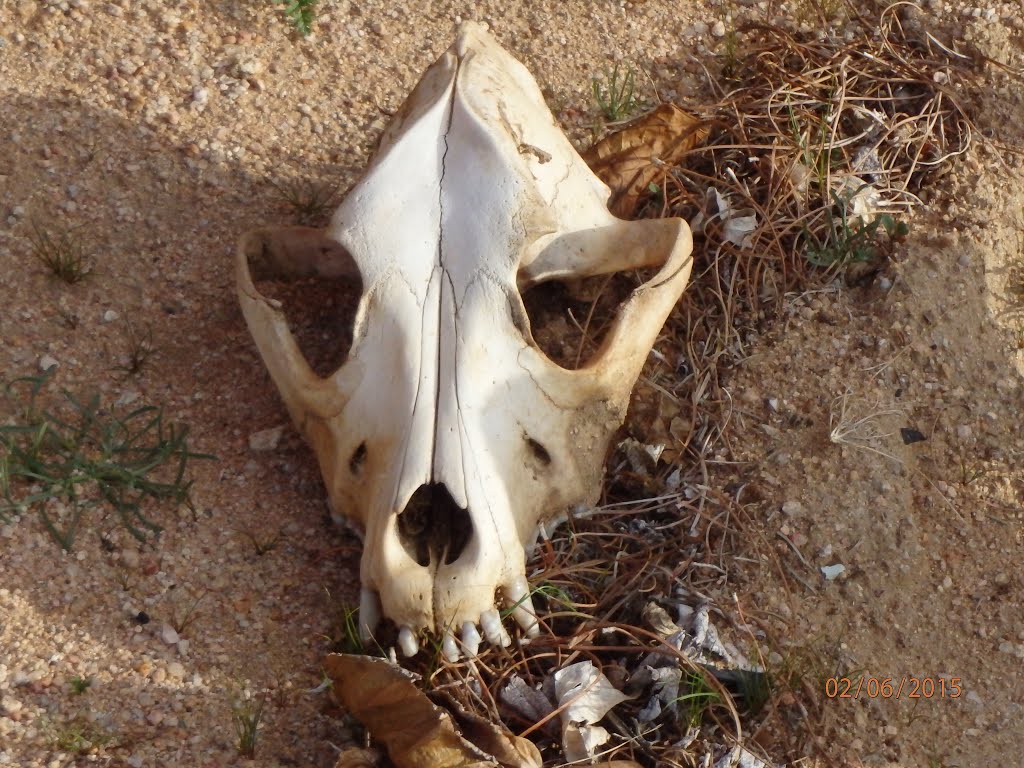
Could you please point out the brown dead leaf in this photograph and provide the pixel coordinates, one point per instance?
(628, 160)
(417, 733)
(509, 750)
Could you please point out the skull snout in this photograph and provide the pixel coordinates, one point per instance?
(433, 528)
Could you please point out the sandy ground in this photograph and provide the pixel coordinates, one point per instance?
(158, 129)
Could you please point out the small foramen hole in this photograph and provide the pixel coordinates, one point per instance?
(540, 453)
(358, 459)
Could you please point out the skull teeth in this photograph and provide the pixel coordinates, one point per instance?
(407, 642)
(470, 639)
(449, 647)
(369, 613)
(490, 622)
(518, 595)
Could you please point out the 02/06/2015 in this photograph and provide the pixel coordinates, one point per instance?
(893, 687)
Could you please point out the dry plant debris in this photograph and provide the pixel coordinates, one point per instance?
(629, 160)
(416, 732)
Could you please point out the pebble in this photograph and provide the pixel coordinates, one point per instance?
(718, 29)
(46, 362)
(10, 705)
(130, 558)
(110, 316)
(832, 572)
(792, 508)
(265, 439)
(175, 671)
(964, 432)
(168, 634)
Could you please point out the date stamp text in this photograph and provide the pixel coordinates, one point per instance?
(893, 687)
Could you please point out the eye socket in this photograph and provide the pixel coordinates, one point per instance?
(540, 453)
(317, 286)
(569, 320)
(355, 464)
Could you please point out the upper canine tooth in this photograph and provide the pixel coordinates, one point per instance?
(407, 642)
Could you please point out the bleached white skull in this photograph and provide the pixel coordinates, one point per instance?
(448, 435)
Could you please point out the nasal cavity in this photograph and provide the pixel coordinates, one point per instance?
(432, 527)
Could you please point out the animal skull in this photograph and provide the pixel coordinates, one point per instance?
(447, 435)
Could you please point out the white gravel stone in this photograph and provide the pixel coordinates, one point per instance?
(168, 634)
(265, 439)
(792, 508)
(10, 705)
(110, 316)
(832, 572)
(46, 362)
(718, 29)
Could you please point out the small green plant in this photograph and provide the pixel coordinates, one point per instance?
(615, 94)
(309, 200)
(849, 242)
(79, 735)
(300, 13)
(79, 685)
(138, 349)
(351, 641)
(696, 697)
(818, 154)
(63, 462)
(554, 595)
(61, 251)
(246, 714)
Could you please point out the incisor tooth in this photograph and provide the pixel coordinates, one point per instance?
(470, 639)
(490, 622)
